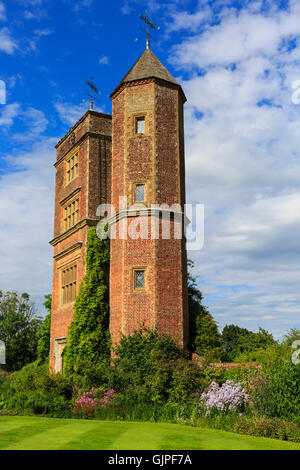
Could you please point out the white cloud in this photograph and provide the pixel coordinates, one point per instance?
(82, 5)
(33, 122)
(103, 60)
(70, 113)
(8, 114)
(26, 205)
(28, 15)
(36, 13)
(36, 123)
(2, 12)
(26, 219)
(13, 80)
(242, 155)
(152, 5)
(31, 44)
(188, 21)
(7, 43)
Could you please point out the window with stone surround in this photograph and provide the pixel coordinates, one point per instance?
(140, 125)
(68, 284)
(71, 214)
(72, 167)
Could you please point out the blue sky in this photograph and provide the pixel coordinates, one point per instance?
(237, 62)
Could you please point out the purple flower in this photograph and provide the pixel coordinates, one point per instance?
(228, 397)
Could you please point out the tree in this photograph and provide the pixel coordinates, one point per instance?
(237, 341)
(292, 335)
(19, 326)
(204, 336)
(88, 335)
(43, 348)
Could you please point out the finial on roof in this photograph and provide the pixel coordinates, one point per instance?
(148, 23)
(93, 89)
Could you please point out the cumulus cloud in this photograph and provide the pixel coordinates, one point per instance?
(36, 123)
(82, 5)
(70, 113)
(242, 148)
(2, 12)
(8, 114)
(152, 5)
(103, 60)
(189, 21)
(26, 219)
(7, 43)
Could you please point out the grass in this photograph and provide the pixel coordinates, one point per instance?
(33, 433)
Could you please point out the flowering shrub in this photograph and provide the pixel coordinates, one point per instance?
(263, 395)
(89, 401)
(276, 392)
(227, 397)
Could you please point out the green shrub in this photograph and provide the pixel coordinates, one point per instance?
(267, 357)
(159, 370)
(276, 391)
(33, 391)
(148, 369)
(144, 348)
(243, 375)
(40, 403)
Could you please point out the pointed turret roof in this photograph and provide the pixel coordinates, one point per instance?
(147, 66)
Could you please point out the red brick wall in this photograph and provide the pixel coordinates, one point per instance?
(92, 135)
(158, 159)
(226, 365)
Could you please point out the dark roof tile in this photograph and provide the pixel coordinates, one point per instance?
(147, 66)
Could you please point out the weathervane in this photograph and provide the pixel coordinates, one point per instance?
(148, 22)
(91, 95)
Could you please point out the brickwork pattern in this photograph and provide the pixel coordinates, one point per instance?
(91, 138)
(156, 158)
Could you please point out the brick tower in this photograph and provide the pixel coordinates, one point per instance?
(82, 183)
(148, 277)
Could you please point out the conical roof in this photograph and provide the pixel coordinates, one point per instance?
(147, 66)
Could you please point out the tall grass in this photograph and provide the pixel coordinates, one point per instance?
(153, 412)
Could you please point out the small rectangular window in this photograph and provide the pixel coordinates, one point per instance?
(139, 279)
(140, 193)
(140, 125)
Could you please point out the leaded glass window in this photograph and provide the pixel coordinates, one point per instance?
(140, 125)
(140, 193)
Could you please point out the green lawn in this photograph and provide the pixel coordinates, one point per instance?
(32, 433)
